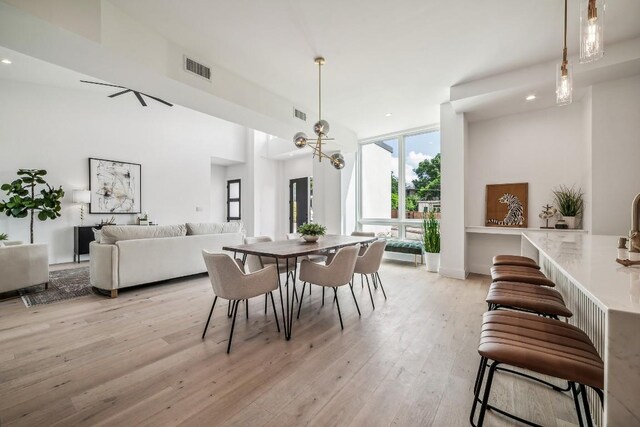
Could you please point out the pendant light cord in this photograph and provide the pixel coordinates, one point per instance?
(320, 90)
(564, 51)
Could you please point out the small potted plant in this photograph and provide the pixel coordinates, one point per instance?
(431, 241)
(570, 203)
(311, 232)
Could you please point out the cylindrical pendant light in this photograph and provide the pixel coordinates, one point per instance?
(564, 77)
(591, 30)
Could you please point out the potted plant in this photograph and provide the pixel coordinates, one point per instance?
(570, 203)
(431, 241)
(311, 232)
(24, 201)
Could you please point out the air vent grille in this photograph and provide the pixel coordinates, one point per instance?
(197, 68)
(299, 114)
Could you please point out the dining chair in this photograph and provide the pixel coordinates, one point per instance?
(368, 264)
(338, 272)
(363, 247)
(230, 282)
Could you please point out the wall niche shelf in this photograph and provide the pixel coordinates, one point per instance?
(512, 231)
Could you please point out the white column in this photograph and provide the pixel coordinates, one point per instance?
(453, 131)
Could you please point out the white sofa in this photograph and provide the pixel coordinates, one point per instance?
(133, 255)
(23, 265)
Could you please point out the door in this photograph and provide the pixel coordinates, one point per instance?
(298, 203)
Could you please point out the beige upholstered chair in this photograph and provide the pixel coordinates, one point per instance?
(230, 282)
(22, 265)
(337, 273)
(368, 264)
(362, 247)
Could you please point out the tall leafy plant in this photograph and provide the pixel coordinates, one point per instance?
(569, 200)
(24, 201)
(431, 233)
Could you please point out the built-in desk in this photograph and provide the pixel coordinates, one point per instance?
(605, 300)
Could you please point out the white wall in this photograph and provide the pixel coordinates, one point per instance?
(59, 129)
(544, 148)
(616, 154)
(218, 193)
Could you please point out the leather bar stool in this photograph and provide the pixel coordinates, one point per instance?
(509, 273)
(515, 260)
(545, 346)
(527, 297)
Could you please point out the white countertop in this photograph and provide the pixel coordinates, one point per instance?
(590, 262)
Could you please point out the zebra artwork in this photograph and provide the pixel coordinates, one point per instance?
(515, 211)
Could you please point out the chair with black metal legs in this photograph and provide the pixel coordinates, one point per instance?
(338, 273)
(230, 282)
(368, 264)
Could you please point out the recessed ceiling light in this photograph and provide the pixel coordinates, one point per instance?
(6, 61)
(530, 97)
(388, 115)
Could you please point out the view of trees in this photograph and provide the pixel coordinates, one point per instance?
(427, 185)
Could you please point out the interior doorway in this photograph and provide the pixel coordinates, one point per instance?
(300, 202)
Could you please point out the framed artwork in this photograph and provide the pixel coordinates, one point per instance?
(233, 200)
(507, 205)
(115, 187)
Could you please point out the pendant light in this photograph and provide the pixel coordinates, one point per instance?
(320, 128)
(591, 30)
(564, 78)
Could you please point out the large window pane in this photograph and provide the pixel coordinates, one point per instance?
(380, 179)
(421, 173)
(386, 231)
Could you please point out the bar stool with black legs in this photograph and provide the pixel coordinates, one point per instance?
(510, 273)
(515, 261)
(527, 297)
(541, 345)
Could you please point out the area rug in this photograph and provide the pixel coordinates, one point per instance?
(63, 285)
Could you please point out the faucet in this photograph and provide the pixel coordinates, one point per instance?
(634, 234)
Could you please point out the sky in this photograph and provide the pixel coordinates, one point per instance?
(418, 148)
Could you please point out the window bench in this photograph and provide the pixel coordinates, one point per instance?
(406, 247)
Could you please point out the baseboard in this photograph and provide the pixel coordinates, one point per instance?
(453, 273)
(480, 269)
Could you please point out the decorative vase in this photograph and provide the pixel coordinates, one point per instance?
(433, 261)
(311, 239)
(571, 221)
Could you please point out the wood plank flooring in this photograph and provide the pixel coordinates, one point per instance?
(139, 360)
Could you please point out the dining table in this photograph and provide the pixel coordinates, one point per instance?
(291, 251)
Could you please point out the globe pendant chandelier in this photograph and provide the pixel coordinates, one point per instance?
(321, 129)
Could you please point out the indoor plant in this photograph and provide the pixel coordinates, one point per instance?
(311, 232)
(4, 236)
(570, 203)
(23, 199)
(431, 241)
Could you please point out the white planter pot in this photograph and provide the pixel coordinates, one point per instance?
(571, 221)
(433, 262)
(311, 238)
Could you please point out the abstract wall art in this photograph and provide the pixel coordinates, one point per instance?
(507, 205)
(115, 187)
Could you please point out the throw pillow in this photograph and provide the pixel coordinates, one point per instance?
(97, 235)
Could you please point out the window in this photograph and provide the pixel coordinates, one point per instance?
(233, 200)
(399, 179)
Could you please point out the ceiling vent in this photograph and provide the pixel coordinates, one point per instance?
(299, 114)
(197, 68)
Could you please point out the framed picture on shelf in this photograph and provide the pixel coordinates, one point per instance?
(507, 205)
(115, 187)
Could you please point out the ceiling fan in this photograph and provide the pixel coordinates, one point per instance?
(127, 90)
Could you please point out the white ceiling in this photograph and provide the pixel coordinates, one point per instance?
(382, 56)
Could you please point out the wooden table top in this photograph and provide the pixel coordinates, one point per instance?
(298, 247)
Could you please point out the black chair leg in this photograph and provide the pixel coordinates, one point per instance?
(233, 324)
(361, 282)
(206, 326)
(265, 303)
(273, 304)
(370, 294)
(380, 283)
(335, 293)
(485, 398)
(375, 283)
(354, 298)
(576, 402)
(585, 404)
(246, 308)
(230, 309)
(480, 375)
(323, 295)
(301, 297)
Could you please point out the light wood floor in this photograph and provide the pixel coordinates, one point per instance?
(139, 360)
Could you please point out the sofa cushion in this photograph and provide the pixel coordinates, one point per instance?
(197, 228)
(116, 233)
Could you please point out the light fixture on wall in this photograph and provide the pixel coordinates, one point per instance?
(564, 77)
(321, 129)
(591, 30)
(81, 197)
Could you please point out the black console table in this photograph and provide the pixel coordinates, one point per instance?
(82, 236)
